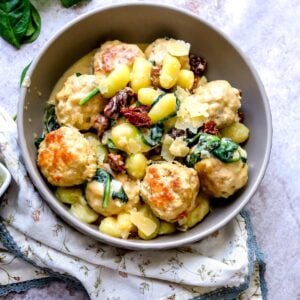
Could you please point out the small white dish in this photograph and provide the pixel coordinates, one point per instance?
(5, 179)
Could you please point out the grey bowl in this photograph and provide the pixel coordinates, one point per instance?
(140, 23)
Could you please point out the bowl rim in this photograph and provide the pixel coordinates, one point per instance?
(138, 244)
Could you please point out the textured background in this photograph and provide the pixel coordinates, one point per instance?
(268, 32)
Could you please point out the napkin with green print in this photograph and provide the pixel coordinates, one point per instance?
(37, 247)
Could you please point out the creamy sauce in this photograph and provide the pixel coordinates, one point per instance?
(83, 66)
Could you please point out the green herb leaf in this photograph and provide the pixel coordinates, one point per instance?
(226, 151)
(111, 145)
(50, 120)
(69, 3)
(24, 72)
(20, 22)
(192, 139)
(78, 74)
(206, 144)
(105, 178)
(121, 195)
(14, 19)
(155, 135)
(34, 26)
(89, 96)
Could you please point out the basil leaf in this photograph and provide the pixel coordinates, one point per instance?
(121, 195)
(69, 3)
(24, 72)
(14, 19)
(34, 26)
(50, 121)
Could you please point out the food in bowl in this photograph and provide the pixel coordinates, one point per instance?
(136, 140)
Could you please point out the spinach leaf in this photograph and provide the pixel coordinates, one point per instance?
(206, 144)
(69, 3)
(192, 138)
(154, 136)
(121, 195)
(105, 178)
(50, 121)
(20, 22)
(24, 72)
(156, 133)
(226, 151)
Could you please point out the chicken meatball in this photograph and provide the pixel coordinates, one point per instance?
(114, 53)
(66, 158)
(214, 101)
(68, 110)
(157, 51)
(222, 100)
(170, 190)
(220, 179)
(95, 190)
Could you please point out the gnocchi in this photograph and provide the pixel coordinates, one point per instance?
(169, 72)
(140, 75)
(164, 108)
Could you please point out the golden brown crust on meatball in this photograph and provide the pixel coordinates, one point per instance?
(220, 179)
(68, 110)
(66, 158)
(114, 53)
(170, 190)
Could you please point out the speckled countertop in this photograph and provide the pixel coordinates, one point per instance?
(268, 32)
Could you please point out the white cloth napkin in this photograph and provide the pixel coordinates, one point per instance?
(37, 244)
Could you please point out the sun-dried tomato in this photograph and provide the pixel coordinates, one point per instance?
(137, 116)
(241, 116)
(116, 162)
(101, 124)
(155, 73)
(210, 127)
(198, 64)
(121, 99)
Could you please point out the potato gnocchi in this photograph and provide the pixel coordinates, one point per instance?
(138, 145)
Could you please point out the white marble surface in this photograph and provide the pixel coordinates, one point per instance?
(268, 32)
